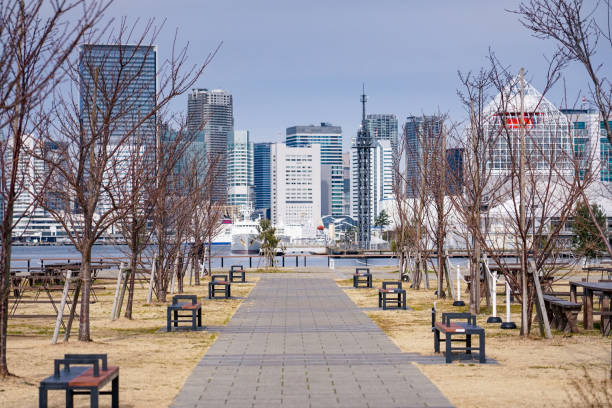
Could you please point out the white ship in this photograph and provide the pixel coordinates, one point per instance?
(244, 234)
(244, 237)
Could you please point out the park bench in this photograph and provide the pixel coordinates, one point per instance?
(392, 292)
(562, 314)
(362, 275)
(77, 378)
(219, 284)
(462, 332)
(182, 312)
(235, 272)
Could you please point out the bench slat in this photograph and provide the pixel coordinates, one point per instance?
(87, 379)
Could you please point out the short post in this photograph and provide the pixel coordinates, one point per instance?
(494, 318)
(458, 302)
(304, 260)
(250, 261)
(508, 324)
(296, 261)
(283, 261)
(221, 262)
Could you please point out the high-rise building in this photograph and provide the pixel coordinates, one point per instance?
(329, 137)
(419, 132)
(130, 70)
(295, 184)
(381, 178)
(261, 176)
(239, 168)
(383, 126)
(212, 112)
(454, 171)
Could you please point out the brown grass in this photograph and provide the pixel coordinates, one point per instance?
(530, 371)
(153, 365)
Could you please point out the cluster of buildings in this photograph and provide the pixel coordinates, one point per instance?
(307, 181)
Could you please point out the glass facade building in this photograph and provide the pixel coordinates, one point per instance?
(212, 112)
(417, 130)
(128, 69)
(383, 126)
(261, 176)
(329, 137)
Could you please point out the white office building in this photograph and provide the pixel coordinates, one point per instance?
(239, 168)
(295, 187)
(381, 177)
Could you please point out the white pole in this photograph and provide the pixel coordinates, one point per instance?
(494, 293)
(458, 284)
(173, 275)
(507, 301)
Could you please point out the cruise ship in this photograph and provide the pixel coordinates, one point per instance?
(244, 237)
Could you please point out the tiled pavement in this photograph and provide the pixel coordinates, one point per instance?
(301, 342)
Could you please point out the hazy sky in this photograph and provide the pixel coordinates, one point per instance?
(292, 62)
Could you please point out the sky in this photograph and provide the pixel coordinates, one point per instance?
(289, 62)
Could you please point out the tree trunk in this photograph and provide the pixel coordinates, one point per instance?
(84, 327)
(132, 277)
(475, 279)
(5, 288)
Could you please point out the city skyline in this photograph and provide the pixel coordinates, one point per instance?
(312, 72)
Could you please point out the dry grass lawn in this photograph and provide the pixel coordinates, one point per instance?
(530, 372)
(153, 365)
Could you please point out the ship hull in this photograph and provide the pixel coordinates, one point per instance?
(245, 244)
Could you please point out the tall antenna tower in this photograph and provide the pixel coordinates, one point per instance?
(363, 145)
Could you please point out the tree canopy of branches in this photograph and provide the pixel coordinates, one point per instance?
(36, 39)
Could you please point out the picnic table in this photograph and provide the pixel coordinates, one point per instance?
(601, 269)
(589, 289)
(191, 310)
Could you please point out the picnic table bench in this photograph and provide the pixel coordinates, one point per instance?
(192, 312)
(362, 275)
(465, 330)
(590, 289)
(392, 292)
(235, 272)
(219, 284)
(562, 314)
(77, 378)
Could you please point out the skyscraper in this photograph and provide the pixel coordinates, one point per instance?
(383, 126)
(295, 186)
(419, 131)
(454, 171)
(239, 168)
(329, 137)
(128, 69)
(261, 176)
(346, 182)
(212, 112)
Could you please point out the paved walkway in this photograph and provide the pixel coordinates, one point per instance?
(299, 341)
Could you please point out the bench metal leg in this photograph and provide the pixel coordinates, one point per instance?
(448, 354)
(199, 317)
(94, 397)
(481, 339)
(42, 397)
(468, 343)
(436, 341)
(379, 299)
(69, 398)
(176, 316)
(115, 393)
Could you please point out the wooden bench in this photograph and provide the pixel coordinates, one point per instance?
(77, 378)
(562, 314)
(362, 275)
(392, 292)
(192, 312)
(219, 284)
(465, 330)
(235, 272)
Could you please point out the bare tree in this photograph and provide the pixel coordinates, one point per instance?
(93, 121)
(34, 45)
(583, 35)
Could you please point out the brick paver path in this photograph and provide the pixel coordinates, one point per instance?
(301, 342)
